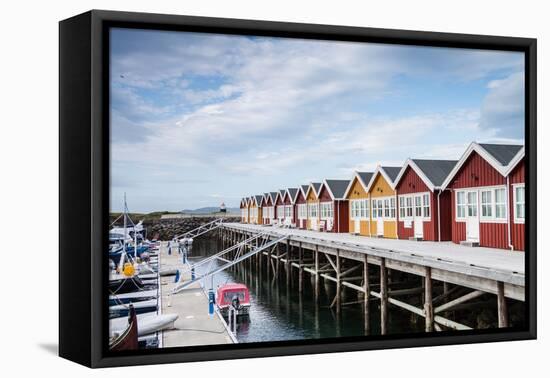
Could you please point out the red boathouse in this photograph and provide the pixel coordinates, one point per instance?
(333, 206)
(424, 209)
(488, 196)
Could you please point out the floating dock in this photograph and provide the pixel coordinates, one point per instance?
(451, 275)
(194, 325)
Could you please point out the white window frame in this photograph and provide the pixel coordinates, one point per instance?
(311, 209)
(514, 189)
(460, 206)
(288, 211)
(280, 211)
(302, 211)
(479, 190)
(407, 206)
(326, 210)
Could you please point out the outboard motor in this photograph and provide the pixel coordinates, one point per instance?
(236, 303)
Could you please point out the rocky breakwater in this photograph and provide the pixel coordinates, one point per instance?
(166, 229)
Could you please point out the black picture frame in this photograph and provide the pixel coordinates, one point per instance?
(84, 184)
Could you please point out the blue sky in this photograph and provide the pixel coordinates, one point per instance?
(197, 119)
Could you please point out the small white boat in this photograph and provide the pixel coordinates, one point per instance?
(137, 305)
(168, 272)
(134, 296)
(147, 323)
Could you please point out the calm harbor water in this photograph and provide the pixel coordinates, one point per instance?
(279, 312)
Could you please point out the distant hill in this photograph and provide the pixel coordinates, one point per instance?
(211, 209)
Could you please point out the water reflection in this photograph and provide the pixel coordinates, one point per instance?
(279, 311)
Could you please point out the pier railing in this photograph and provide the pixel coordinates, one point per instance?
(202, 229)
(258, 245)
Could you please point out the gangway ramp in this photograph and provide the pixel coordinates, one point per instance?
(261, 244)
(202, 229)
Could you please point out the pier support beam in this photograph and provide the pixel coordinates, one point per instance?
(366, 287)
(317, 278)
(383, 297)
(301, 269)
(428, 305)
(338, 281)
(502, 306)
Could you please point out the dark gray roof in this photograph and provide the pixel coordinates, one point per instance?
(365, 176)
(392, 172)
(292, 192)
(338, 187)
(316, 186)
(273, 195)
(304, 188)
(504, 153)
(258, 199)
(282, 192)
(435, 170)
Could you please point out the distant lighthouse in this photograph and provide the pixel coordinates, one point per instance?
(222, 208)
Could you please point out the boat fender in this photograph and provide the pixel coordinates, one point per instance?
(128, 270)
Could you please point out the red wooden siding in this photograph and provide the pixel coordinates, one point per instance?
(286, 202)
(476, 172)
(300, 199)
(341, 211)
(403, 232)
(445, 215)
(458, 229)
(517, 230)
(341, 216)
(412, 183)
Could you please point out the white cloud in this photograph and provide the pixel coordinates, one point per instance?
(277, 112)
(503, 108)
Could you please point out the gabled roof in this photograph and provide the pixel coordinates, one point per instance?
(265, 198)
(363, 178)
(315, 186)
(502, 157)
(432, 172)
(273, 196)
(304, 189)
(336, 188)
(389, 174)
(280, 193)
(503, 153)
(258, 199)
(292, 194)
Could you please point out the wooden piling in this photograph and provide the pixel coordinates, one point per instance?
(317, 278)
(383, 297)
(366, 287)
(301, 269)
(428, 305)
(502, 306)
(338, 281)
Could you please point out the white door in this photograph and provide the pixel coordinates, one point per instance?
(418, 223)
(357, 224)
(472, 217)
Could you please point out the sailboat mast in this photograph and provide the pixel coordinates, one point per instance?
(124, 238)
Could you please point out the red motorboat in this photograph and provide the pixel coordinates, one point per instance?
(233, 294)
(128, 339)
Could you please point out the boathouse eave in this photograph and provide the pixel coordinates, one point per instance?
(419, 172)
(380, 170)
(357, 176)
(504, 170)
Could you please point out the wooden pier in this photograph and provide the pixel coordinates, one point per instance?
(443, 277)
(194, 325)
